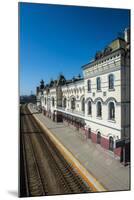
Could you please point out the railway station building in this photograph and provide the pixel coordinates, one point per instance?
(97, 104)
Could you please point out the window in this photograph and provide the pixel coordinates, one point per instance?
(98, 138)
(83, 105)
(111, 81)
(89, 85)
(53, 101)
(99, 109)
(64, 102)
(98, 82)
(111, 111)
(111, 143)
(89, 108)
(73, 102)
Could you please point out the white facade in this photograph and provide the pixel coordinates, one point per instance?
(101, 98)
(74, 90)
(107, 127)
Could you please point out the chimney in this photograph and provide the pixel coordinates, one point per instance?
(127, 35)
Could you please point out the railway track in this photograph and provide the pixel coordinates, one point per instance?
(33, 181)
(46, 170)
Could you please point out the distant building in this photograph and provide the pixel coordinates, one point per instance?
(27, 99)
(98, 104)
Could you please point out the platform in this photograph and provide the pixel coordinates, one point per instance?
(100, 163)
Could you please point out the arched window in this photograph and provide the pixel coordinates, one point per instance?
(73, 103)
(53, 101)
(89, 85)
(98, 82)
(111, 143)
(45, 101)
(111, 81)
(89, 108)
(111, 111)
(98, 138)
(64, 102)
(83, 105)
(99, 109)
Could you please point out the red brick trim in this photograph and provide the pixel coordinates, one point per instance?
(117, 151)
(93, 137)
(105, 143)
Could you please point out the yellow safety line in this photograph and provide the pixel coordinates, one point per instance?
(93, 183)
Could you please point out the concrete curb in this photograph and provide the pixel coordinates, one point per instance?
(93, 183)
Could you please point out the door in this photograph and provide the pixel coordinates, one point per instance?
(99, 138)
(89, 133)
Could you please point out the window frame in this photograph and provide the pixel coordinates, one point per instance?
(83, 104)
(89, 85)
(109, 84)
(90, 107)
(109, 111)
(98, 85)
(65, 102)
(74, 103)
(53, 101)
(100, 115)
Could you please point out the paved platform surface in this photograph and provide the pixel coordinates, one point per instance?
(100, 163)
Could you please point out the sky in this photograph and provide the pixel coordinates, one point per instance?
(56, 39)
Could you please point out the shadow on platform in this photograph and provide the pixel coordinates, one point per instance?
(30, 132)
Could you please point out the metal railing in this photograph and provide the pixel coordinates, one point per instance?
(72, 111)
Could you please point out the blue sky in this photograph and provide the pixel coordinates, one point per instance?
(60, 39)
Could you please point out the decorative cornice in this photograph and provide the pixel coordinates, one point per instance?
(91, 64)
(104, 71)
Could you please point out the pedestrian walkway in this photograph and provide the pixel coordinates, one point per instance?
(103, 166)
